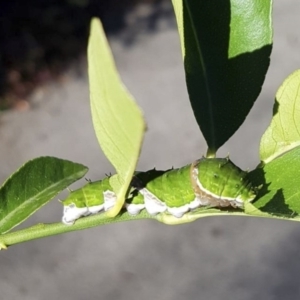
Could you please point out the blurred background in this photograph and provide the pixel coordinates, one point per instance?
(44, 90)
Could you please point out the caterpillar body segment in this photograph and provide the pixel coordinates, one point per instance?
(206, 182)
(221, 182)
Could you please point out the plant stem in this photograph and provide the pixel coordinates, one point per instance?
(211, 153)
(43, 230)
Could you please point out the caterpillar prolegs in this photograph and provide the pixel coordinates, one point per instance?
(214, 182)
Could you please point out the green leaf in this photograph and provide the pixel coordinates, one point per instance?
(32, 186)
(283, 134)
(226, 47)
(118, 121)
(280, 192)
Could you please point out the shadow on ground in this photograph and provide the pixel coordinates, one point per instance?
(40, 39)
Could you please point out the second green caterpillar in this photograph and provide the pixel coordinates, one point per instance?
(215, 182)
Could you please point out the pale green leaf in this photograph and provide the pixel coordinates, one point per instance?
(118, 121)
(283, 134)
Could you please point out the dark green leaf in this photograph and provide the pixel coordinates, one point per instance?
(226, 47)
(32, 186)
(280, 179)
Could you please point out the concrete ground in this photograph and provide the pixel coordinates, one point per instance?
(212, 258)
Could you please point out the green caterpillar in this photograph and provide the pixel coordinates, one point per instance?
(214, 182)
